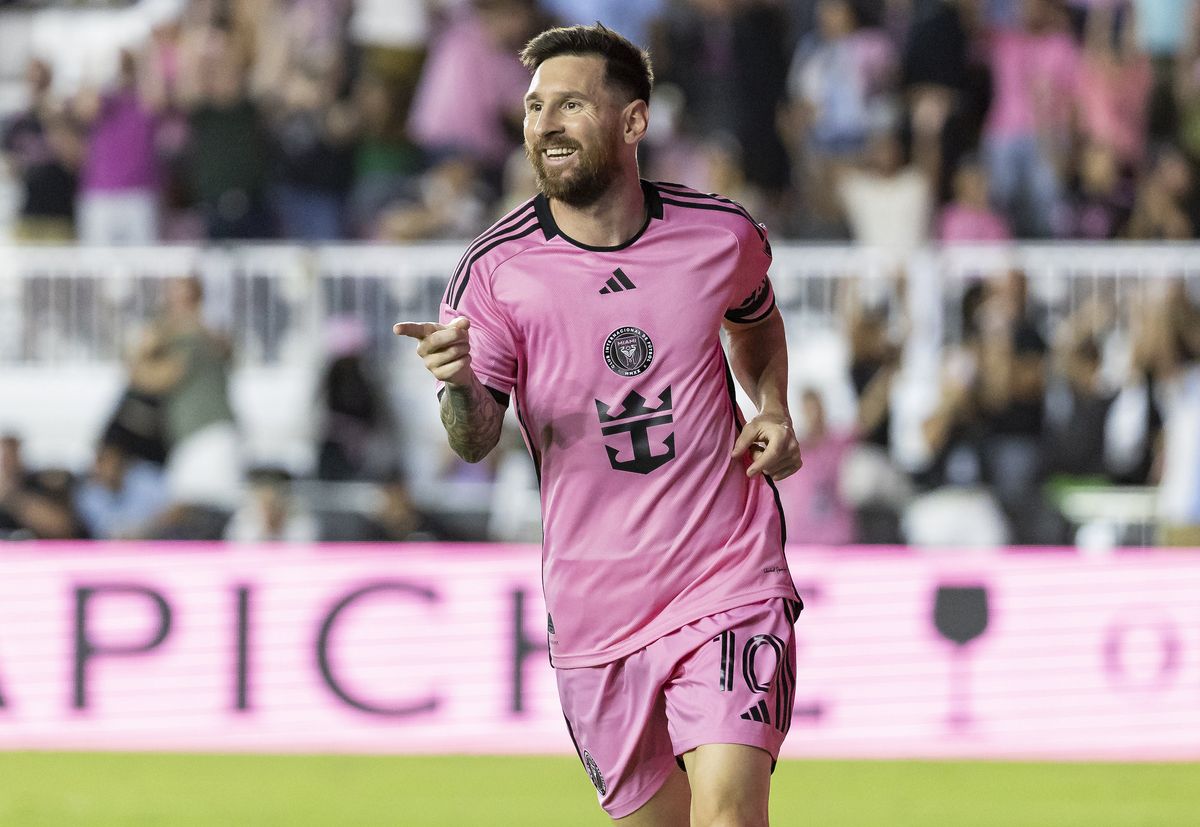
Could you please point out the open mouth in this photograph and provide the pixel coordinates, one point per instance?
(558, 153)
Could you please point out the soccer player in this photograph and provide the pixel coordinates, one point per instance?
(596, 308)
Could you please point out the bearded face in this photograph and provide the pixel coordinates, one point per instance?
(573, 171)
(575, 125)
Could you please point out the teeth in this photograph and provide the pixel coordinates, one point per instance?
(559, 152)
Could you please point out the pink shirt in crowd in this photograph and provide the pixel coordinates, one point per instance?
(959, 223)
(1113, 100)
(1035, 79)
(816, 514)
(121, 153)
(467, 88)
(614, 359)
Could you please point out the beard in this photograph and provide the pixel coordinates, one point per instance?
(594, 172)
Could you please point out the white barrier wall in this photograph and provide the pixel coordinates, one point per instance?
(409, 649)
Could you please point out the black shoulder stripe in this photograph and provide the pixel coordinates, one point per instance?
(741, 316)
(684, 192)
(516, 217)
(687, 192)
(504, 239)
(513, 219)
(712, 205)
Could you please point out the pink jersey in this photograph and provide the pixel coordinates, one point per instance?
(625, 398)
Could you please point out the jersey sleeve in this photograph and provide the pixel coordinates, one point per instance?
(493, 342)
(751, 297)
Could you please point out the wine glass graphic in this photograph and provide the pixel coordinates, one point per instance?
(960, 614)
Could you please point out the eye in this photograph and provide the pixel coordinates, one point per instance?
(533, 106)
(571, 106)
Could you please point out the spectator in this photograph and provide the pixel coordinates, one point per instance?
(1162, 28)
(122, 497)
(34, 504)
(43, 149)
(1079, 399)
(161, 65)
(844, 80)
(1100, 198)
(1134, 439)
(356, 431)
(710, 51)
(813, 503)
(392, 35)
(970, 217)
(272, 514)
(314, 132)
(119, 186)
(1160, 209)
(475, 58)
(1115, 79)
(228, 147)
(1035, 70)
(1179, 491)
(842, 88)
(187, 364)
(399, 520)
(955, 509)
(887, 203)
(138, 426)
(449, 201)
(871, 483)
(1011, 391)
(386, 163)
(1184, 94)
(941, 71)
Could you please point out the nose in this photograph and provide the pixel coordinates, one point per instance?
(546, 123)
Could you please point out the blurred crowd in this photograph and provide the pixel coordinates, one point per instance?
(1023, 408)
(886, 122)
(170, 463)
(1025, 413)
(890, 122)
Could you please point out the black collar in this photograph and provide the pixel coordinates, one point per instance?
(654, 210)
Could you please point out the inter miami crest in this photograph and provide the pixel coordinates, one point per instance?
(628, 351)
(593, 771)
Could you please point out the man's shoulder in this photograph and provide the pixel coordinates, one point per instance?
(516, 222)
(512, 234)
(707, 210)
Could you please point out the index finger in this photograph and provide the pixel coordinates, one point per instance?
(747, 437)
(416, 330)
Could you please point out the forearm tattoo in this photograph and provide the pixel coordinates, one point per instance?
(472, 419)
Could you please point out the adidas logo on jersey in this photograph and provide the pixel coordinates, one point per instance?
(758, 712)
(618, 283)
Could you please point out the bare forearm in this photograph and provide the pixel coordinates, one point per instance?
(758, 356)
(472, 419)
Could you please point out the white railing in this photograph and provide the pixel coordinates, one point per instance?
(67, 314)
(73, 305)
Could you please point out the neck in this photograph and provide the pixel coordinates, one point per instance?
(612, 220)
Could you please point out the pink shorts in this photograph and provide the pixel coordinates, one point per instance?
(729, 678)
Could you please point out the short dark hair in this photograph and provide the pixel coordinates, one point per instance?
(626, 65)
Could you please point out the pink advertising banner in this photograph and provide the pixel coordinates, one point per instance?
(421, 648)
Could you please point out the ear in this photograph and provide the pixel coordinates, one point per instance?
(635, 119)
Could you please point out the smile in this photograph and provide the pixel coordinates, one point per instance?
(559, 152)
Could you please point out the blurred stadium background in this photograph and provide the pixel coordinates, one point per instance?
(983, 214)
